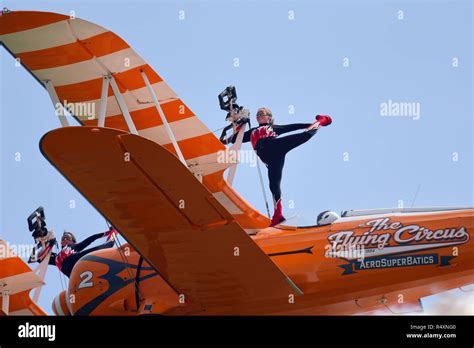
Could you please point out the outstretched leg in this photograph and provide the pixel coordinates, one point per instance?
(274, 154)
(277, 150)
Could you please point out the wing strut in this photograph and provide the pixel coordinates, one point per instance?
(234, 149)
(163, 118)
(122, 105)
(103, 102)
(58, 107)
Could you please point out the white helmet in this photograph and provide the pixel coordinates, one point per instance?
(326, 217)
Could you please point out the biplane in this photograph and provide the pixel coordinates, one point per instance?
(195, 246)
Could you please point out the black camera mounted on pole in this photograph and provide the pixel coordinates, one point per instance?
(227, 99)
(44, 239)
(236, 114)
(37, 224)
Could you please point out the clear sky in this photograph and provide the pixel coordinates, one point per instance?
(342, 58)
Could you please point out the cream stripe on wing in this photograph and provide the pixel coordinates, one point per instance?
(116, 62)
(189, 127)
(208, 164)
(47, 36)
(164, 93)
(83, 29)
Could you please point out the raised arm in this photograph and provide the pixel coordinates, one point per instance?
(286, 128)
(231, 139)
(52, 259)
(245, 139)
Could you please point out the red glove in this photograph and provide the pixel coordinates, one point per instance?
(324, 120)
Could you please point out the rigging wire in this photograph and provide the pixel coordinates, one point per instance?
(416, 195)
(217, 130)
(262, 185)
(124, 259)
(61, 275)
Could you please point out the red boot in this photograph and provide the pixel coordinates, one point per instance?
(278, 217)
(324, 120)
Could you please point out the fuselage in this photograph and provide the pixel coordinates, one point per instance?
(357, 264)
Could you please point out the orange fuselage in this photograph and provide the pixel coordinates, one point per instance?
(355, 265)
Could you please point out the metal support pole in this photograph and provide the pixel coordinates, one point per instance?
(56, 103)
(103, 101)
(163, 118)
(234, 149)
(40, 271)
(122, 106)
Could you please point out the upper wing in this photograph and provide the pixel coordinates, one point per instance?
(168, 216)
(74, 55)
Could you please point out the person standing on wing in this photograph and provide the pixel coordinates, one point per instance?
(272, 150)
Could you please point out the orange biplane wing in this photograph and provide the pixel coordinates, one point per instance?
(16, 281)
(163, 210)
(74, 58)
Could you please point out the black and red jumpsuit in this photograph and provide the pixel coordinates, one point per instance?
(70, 254)
(272, 150)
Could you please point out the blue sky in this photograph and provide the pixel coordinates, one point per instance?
(282, 62)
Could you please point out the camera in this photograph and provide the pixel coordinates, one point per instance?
(37, 224)
(227, 99)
